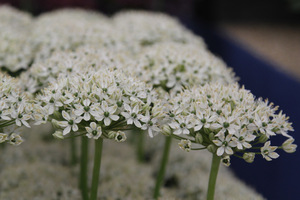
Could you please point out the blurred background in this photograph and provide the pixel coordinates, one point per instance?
(259, 39)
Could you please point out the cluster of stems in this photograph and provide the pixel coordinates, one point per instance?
(86, 193)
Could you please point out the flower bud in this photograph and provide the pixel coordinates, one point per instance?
(55, 124)
(199, 138)
(211, 136)
(58, 135)
(3, 137)
(211, 148)
(263, 139)
(56, 114)
(249, 157)
(166, 130)
(288, 146)
(206, 130)
(112, 134)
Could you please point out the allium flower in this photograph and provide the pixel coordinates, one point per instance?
(15, 139)
(15, 110)
(185, 145)
(225, 144)
(226, 161)
(62, 64)
(100, 102)
(94, 131)
(228, 121)
(173, 66)
(268, 152)
(140, 29)
(120, 136)
(67, 30)
(71, 122)
(15, 49)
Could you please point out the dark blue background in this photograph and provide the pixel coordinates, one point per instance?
(280, 178)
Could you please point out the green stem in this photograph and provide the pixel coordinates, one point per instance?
(213, 176)
(84, 168)
(140, 145)
(73, 151)
(163, 166)
(96, 170)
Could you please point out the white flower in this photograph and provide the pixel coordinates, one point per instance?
(288, 146)
(226, 161)
(71, 123)
(84, 109)
(132, 115)
(181, 125)
(107, 113)
(15, 139)
(21, 117)
(120, 136)
(268, 152)
(225, 144)
(243, 139)
(185, 145)
(94, 131)
(262, 122)
(204, 120)
(150, 124)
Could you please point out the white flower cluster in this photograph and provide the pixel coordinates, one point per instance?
(25, 40)
(15, 49)
(66, 30)
(227, 120)
(15, 111)
(146, 28)
(62, 64)
(173, 66)
(99, 104)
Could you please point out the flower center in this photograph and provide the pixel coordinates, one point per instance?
(203, 120)
(225, 143)
(119, 137)
(182, 125)
(226, 124)
(264, 124)
(86, 108)
(71, 122)
(106, 114)
(133, 115)
(266, 151)
(94, 132)
(119, 103)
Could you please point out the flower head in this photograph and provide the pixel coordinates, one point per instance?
(99, 102)
(229, 120)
